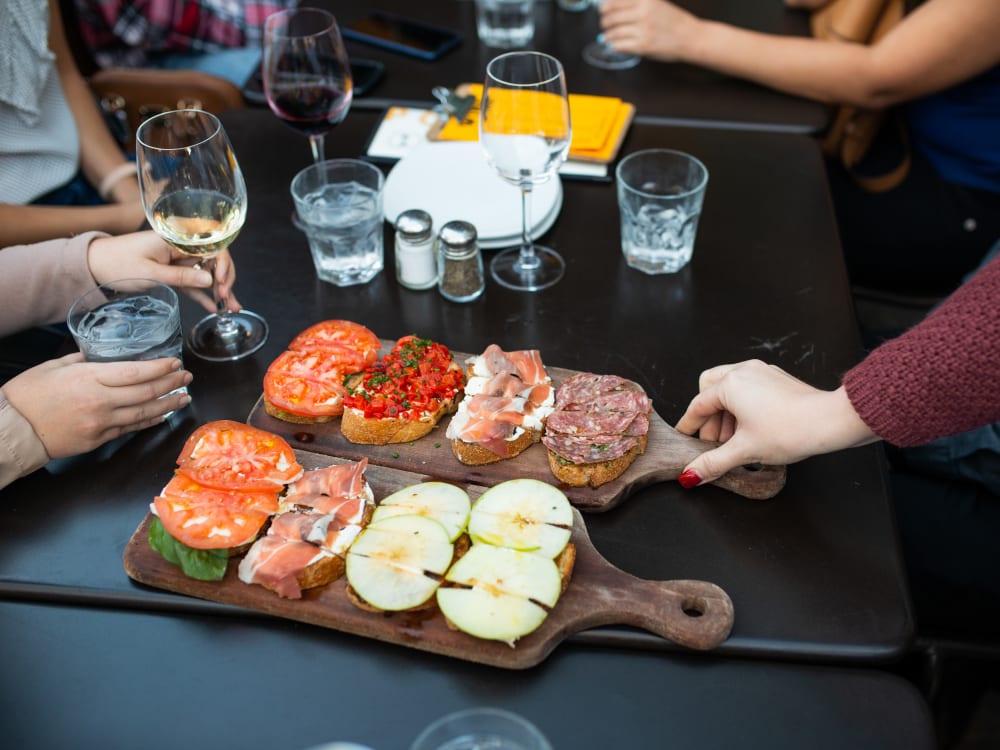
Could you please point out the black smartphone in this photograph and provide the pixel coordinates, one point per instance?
(364, 75)
(403, 35)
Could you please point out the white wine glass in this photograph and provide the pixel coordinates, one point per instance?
(524, 128)
(600, 54)
(195, 198)
(307, 73)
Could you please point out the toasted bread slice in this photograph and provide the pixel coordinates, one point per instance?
(593, 474)
(287, 416)
(326, 569)
(359, 429)
(474, 454)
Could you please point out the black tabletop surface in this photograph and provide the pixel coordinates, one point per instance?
(661, 92)
(92, 678)
(813, 573)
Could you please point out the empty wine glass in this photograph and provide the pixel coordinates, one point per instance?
(195, 198)
(600, 54)
(306, 73)
(524, 128)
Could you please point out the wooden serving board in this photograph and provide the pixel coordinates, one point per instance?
(667, 453)
(694, 614)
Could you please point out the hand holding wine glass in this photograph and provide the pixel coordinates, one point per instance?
(196, 200)
(524, 127)
(306, 72)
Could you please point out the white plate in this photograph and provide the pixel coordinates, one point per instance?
(451, 180)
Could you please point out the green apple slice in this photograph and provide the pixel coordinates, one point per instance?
(397, 563)
(523, 514)
(446, 503)
(500, 592)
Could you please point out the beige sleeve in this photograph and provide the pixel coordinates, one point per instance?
(39, 282)
(21, 450)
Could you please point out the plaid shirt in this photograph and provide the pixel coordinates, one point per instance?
(125, 32)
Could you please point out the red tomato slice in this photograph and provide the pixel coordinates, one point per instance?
(232, 455)
(356, 346)
(307, 398)
(209, 518)
(309, 383)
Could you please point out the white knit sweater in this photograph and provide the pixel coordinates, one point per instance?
(39, 143)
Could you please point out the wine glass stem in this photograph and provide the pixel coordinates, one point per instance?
(527, 261)
(224, 325)
(318, 146)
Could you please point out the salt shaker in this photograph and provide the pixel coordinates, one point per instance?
(416, 267)
(460, 264)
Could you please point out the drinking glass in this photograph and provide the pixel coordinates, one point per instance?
(524, 128)
(306, 73)
(195, 198)
(600, 55)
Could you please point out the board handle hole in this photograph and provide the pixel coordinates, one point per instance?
(694, 607)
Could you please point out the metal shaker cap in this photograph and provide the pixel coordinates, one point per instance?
(457, 235)
(415, 224)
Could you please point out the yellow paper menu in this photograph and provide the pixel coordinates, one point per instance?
(599, 123)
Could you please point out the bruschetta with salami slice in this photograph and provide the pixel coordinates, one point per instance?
(597, 430)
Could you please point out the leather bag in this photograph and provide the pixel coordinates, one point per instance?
(853, 129)
(129, 96)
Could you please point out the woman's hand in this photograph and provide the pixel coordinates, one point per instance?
(762, 414)
(145, 255)
(649, 28)
(74, 406)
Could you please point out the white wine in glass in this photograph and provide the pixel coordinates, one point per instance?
(524, 128)
(195, 198)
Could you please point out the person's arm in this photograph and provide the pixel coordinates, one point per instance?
(939, 378)
(937, 45)
(764, 415)
(101, 156)
(39, 281)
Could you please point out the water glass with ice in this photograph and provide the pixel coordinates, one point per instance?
(339, 207)
(483, 727)
(506, 24)
(127, 320)
(660, 194)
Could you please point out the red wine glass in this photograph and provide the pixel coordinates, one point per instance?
(306, 73)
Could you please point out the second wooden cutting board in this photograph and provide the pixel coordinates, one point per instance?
(695, 614)
(667, 453)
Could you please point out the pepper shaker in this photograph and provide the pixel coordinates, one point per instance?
(460, 264)
(416, 266)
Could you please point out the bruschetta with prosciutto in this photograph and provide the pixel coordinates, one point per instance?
(508, 397)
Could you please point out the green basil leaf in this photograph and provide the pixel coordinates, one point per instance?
(203, 564)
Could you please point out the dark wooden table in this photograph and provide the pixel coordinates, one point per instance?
(93, 678)
(662, 92)
(814, 573)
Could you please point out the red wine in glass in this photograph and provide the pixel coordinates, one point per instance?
(306, 72)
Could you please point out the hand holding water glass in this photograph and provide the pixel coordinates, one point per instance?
(128, 320)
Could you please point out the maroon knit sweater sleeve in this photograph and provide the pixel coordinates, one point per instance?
(942, 376)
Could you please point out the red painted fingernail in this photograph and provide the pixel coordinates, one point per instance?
(689, 479)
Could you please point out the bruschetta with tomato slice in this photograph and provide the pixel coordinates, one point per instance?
(226, 487)
(404, 395)
(305, 383)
